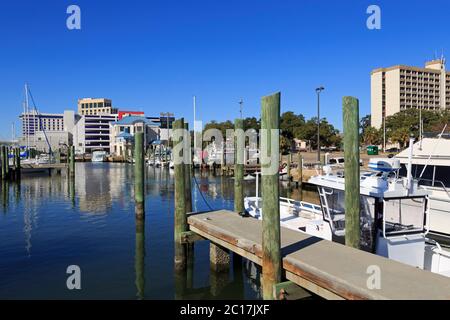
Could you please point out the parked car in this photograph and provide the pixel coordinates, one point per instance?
(393, 150)
(340, 161)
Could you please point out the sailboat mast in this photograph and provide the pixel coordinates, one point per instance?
(27, 115)
(195, 132)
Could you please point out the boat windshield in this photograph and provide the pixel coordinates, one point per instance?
(404, 216)
(333, 204)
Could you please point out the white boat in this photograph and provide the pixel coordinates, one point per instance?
(99, 156)
(431, 166)
(43, 159)
(394, 216)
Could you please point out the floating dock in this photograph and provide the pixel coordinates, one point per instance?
(327, 269)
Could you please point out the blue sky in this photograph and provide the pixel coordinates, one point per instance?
(155, 55)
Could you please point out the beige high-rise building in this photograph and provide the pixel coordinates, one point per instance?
(92, 106)
(402, 87)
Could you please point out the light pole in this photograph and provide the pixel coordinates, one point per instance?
(241, 102)
(318, 90)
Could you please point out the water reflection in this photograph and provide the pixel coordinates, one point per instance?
(139, 257)
(50, 222)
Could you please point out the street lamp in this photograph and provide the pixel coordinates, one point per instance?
(318, 90)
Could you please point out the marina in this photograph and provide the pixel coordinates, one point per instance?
(239, 158)
(277, 245)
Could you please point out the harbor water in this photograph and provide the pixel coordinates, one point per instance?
(48, 223)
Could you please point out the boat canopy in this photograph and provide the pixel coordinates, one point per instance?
(431, 151)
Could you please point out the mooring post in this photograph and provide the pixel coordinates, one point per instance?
(289, 159)
(222, 158)
(3, 154)
(352, 174)
(58, 156)
(139, 257)
(300, 169)
(139, 159)
(239, 150)
(187, 168)
(18, 165)
(180, 224)
(271, 238)
(72, 162)
(7, 161)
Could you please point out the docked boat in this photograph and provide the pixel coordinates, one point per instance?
(99, 156)
(431, 167)
(394, 215)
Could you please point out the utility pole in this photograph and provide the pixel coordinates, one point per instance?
(241, 102)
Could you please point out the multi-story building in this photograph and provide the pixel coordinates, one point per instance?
(92, 133)
(123, 131)
(41, 130)
(95, 106)
(33, 122)
(165, 124)
(403, 87)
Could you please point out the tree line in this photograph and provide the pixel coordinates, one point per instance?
(292, 126)
(399, 128)
(402, 125)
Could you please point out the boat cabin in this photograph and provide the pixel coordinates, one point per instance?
(393, 211)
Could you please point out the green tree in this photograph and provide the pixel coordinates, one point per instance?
(372, 136)
(252, 123)
(329, 136)
(401, 136)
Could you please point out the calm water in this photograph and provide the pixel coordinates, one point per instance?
(47, 224)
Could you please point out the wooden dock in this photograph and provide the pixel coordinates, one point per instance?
(36, 168)
(330, 270)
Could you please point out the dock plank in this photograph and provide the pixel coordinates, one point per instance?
(329, 269)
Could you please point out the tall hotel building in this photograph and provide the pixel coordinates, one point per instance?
(91, 106)
(402, 87)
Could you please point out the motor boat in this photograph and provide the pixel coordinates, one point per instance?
(99, 156)
(394, 215)
(431, 167)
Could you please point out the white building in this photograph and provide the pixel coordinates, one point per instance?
(92, 133)
(122, 134)
(39, 130)
(403, 87)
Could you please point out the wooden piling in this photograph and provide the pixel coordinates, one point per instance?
(239, 165)
(139, 167)
(289, 161)
(18, 165)
(180, 224)
(187, 169)
(72, 161)
(58, 156)
(139, 258)
(7, 161)
(352, 171)
(3, 160)
(271, 255)
(300, 169)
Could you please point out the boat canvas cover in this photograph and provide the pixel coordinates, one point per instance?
(438, 149)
